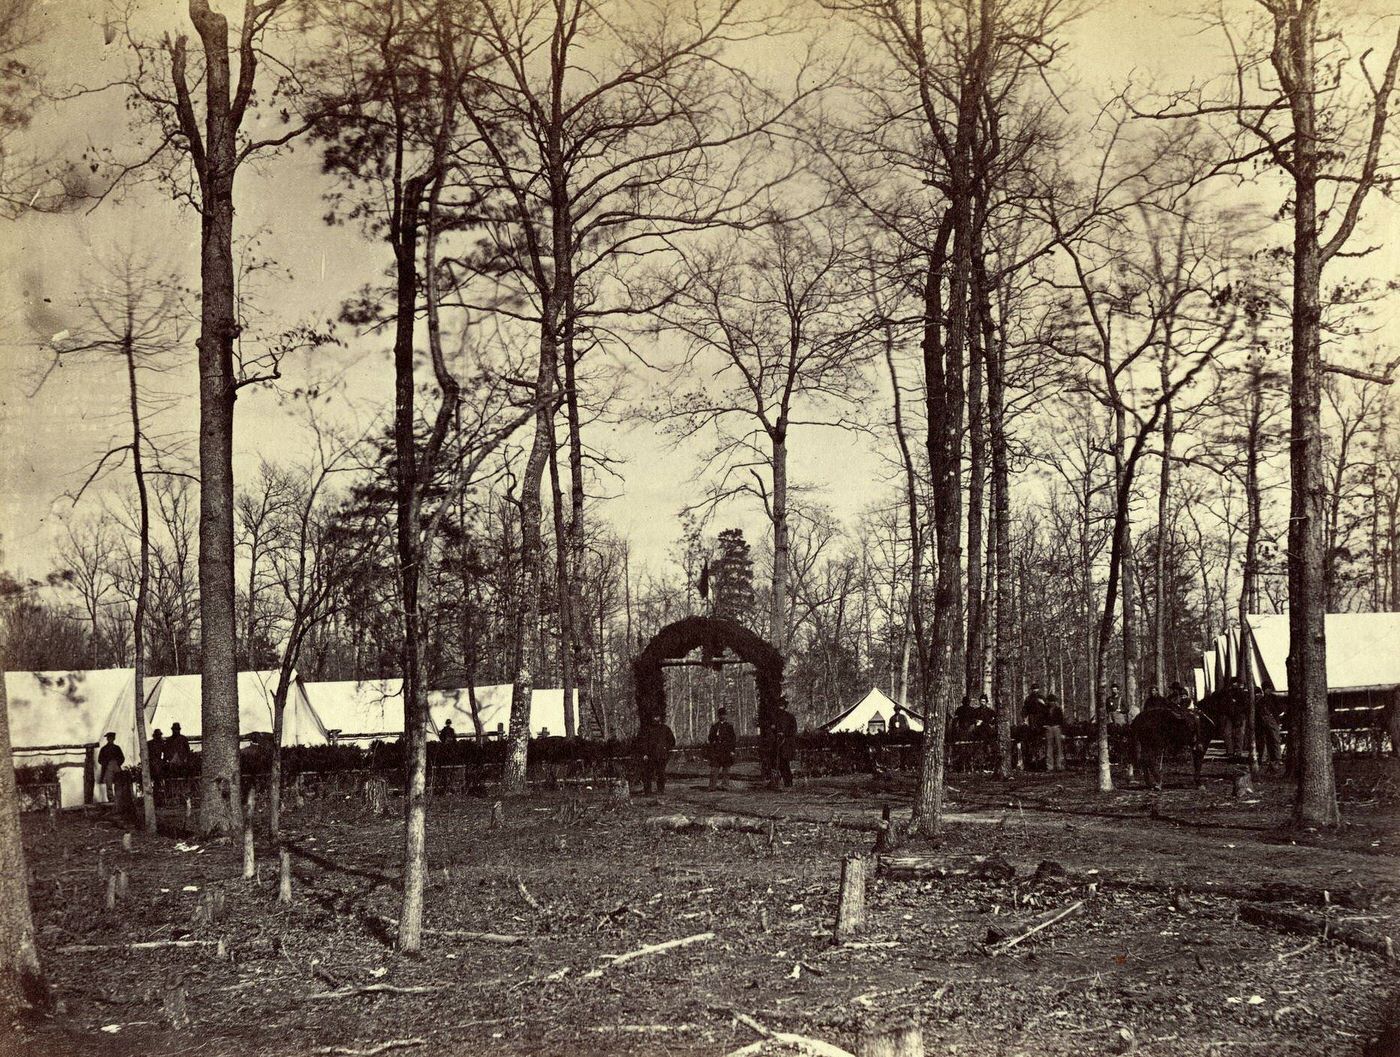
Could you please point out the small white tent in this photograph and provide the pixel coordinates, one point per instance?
(493, 710)
(1198, 681)
(873, 714)
(176, 699)
(1363, 650)
(74, 709)
(359, 711)
(1207, 669)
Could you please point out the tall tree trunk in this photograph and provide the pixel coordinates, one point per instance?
(564, 576)
(579, 627)
(1249, 591)
(1128, 566)
(21, 978)
(777, 602)
(1307, 541)
(1164, 535)
(995, 352)
(143, 586)
(220, 794)
(409, 544)
(976, 658)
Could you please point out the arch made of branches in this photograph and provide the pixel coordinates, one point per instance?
(713, 635)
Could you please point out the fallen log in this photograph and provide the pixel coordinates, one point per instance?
(614, 960)
(682, 823)
(144, 945)
(373, 1051)
(928, 867)
(373, 989)
(778, 1042)
(1302, 923)
(1059, 915)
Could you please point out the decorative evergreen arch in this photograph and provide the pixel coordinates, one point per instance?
(713, 634)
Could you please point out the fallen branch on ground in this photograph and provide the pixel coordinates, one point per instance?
(502, 938)
(370, 989)
(777, 1042)
(392, 1044)
(682, 823)
(144, 945)
(642, 952)
(1069, 911)
(1304, 924)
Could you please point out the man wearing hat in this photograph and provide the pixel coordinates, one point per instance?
(109, 762)
(722, 742)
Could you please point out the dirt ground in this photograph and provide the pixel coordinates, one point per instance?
(1159, 962)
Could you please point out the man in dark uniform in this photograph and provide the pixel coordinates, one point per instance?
(1154, 699)
(1054, 734)
(110, 759)
(155, 752)
(1033, 716)
(785, 748)
(655, 742)
(723, 739)
(177, 750)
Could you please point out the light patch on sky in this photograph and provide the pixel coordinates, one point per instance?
(52, 435)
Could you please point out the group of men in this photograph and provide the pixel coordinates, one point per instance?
(170, 756)
(777, 743)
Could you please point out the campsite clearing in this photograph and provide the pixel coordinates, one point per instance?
(523, 918)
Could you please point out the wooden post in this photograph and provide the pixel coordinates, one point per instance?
(850, 915)
(772, 837)
(882, 835)
(126, 842)
(112, 892)
(123, 882)
(250, 868)
(90, 774)
(890, 1040)
(284, 890)
(498, 816)
(102, 864)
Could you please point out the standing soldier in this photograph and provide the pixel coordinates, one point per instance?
(785, 744)
(109, 761)
(1054, 734)
(655, 742)
(722, 742)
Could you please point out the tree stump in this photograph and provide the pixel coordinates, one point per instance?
(498, 816)
(621, 791)
(177, 1009)
(377, 797)
(1243, 786)
(126, 842)
(112, 892)
(284, 888)
(189, 811)
(123, 883)
(250, 864)
(772, 837)
(102, 864)
(850, 914)
(903, 1039)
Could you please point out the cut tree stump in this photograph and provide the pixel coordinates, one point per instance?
(177, 1008)
(284, 887)
(250, 864)
(377, 797)
(850, 913)
(126, 842)
(102, 864)
(112, 892)
(498, 816)
(123, 883)
(890, 1040)
(1302, 923)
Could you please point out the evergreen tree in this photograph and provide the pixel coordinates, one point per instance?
(731, 579)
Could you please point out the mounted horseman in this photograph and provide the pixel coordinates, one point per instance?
(1162, 728)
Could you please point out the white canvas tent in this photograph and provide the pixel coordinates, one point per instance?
(1207, 670)
(359, 711)
(872, 714)
(74, 708)
(1198, 682)
(1363, 650)
(176, 699)
(493, 706)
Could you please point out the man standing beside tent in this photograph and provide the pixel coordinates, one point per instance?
(110, 759)
(177, 751)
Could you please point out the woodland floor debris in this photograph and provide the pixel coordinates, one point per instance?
(1160, 949)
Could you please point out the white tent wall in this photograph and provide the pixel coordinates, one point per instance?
(493, 704)
(1198, 682)
(1363, 650)
(70, 708)
(176, 699)
(361, 711)
(873, 706)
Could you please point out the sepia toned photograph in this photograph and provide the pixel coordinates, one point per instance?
(699, 528)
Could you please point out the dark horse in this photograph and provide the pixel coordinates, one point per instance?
(1161, 730)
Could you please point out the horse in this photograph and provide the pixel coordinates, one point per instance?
(1157, 731)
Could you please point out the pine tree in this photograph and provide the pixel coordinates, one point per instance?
(731, 579)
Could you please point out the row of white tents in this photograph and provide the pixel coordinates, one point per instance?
(1363, 654)
(54, 715)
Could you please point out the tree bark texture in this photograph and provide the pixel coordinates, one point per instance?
(21, 978)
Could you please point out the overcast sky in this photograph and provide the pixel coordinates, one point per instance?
(51, 437)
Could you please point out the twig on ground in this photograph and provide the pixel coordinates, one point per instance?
(642, 952)
(144, 945)
(383, 1047)
(369, 989)
(1007, 944)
